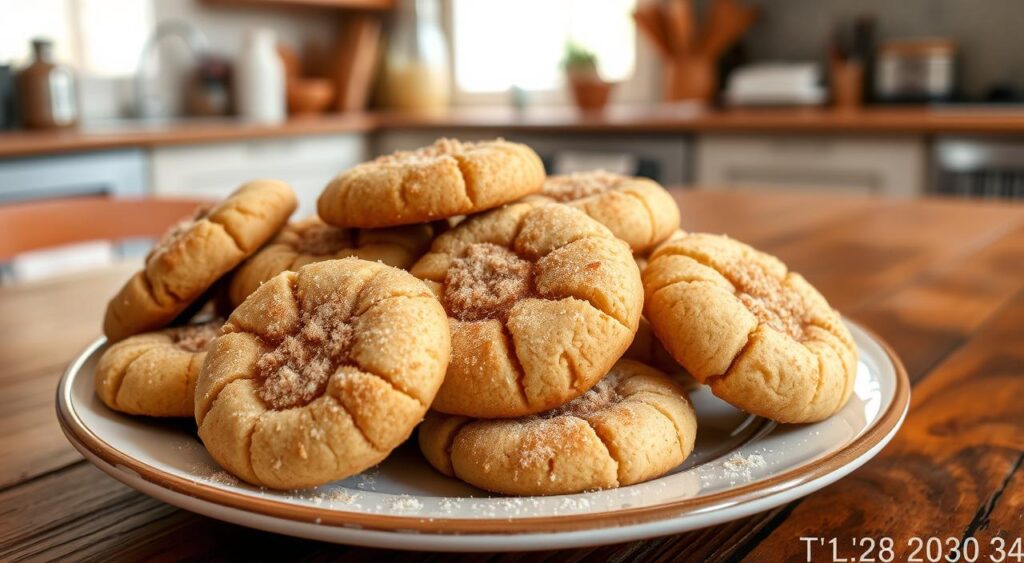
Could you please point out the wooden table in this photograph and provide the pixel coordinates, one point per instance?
(941, 280)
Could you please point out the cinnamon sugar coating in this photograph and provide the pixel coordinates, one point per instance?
(316, 238)
(195, 337)
(321, 372)
(636, 210)
(155, 373)
(446, 179)
(485, 281)
(571, 187)
(762, 337)
(296, 371)
(602, 395)
(195, 254)
(542, 301)
(312, 240)
(636, 424)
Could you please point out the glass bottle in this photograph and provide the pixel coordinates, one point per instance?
(259, 79)
(46, 91)
(416, 68)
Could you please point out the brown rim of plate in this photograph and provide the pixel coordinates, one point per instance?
(887, 422)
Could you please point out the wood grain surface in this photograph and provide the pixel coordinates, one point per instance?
(941, 280)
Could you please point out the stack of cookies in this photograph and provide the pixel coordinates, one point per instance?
(457, 286)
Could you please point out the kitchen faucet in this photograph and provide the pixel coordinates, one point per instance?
(151, 104)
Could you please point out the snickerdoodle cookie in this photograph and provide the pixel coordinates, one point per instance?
(194, 254)
(643, 258)
(647, 349)
(320, 373)
(542, 301)
(311, 240)
(634, 425)
(443, 180)
(637, 210)
(155, 373)
(762, 337)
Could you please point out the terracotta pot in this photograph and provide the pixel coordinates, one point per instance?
(590, 95)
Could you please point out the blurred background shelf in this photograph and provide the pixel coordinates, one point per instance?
(339, 4)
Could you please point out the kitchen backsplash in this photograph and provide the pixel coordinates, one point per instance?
(987, 31)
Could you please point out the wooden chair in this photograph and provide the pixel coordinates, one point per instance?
(28, 226)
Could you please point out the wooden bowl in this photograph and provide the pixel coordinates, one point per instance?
(309, 96)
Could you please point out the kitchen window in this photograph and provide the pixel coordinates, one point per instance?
(99, 37)
(498, 44)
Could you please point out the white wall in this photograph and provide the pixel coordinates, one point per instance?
(224, 27)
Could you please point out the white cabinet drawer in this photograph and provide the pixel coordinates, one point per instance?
(865, 165)
(214, 170)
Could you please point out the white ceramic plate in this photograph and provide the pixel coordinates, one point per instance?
(741, 465)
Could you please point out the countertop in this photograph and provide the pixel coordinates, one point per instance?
(941, 280)
(666, 119)
(134, 134)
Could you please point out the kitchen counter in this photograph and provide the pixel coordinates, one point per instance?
(679, 118)
(942, 281)
(135, 134)
(689, 118)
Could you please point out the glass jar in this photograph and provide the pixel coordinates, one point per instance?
(46, 91)
(416, 68)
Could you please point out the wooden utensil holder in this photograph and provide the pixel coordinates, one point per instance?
(690, 77)
(847, 84)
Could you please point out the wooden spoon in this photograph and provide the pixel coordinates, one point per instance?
(647, 16)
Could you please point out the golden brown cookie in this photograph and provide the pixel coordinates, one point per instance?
(647, 349)
(643, 258)
(193, 255)
(637, 210)
(762, 337)
(443, 180)
(155, 373)
(311, 240)
(542, 301)
(636, 424)
(641, 261)
(321, 372)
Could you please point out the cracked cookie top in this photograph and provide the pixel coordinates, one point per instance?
(321, 372)
(634, 425)
(446, 179)
(761, 336)
(636, 210)
(312, 240)
(542, 301)
(195, 254)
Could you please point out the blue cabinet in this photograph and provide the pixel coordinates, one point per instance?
(120, 172)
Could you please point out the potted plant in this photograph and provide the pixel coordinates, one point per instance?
(589, 91)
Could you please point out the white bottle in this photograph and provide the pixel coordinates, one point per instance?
(259, 79)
